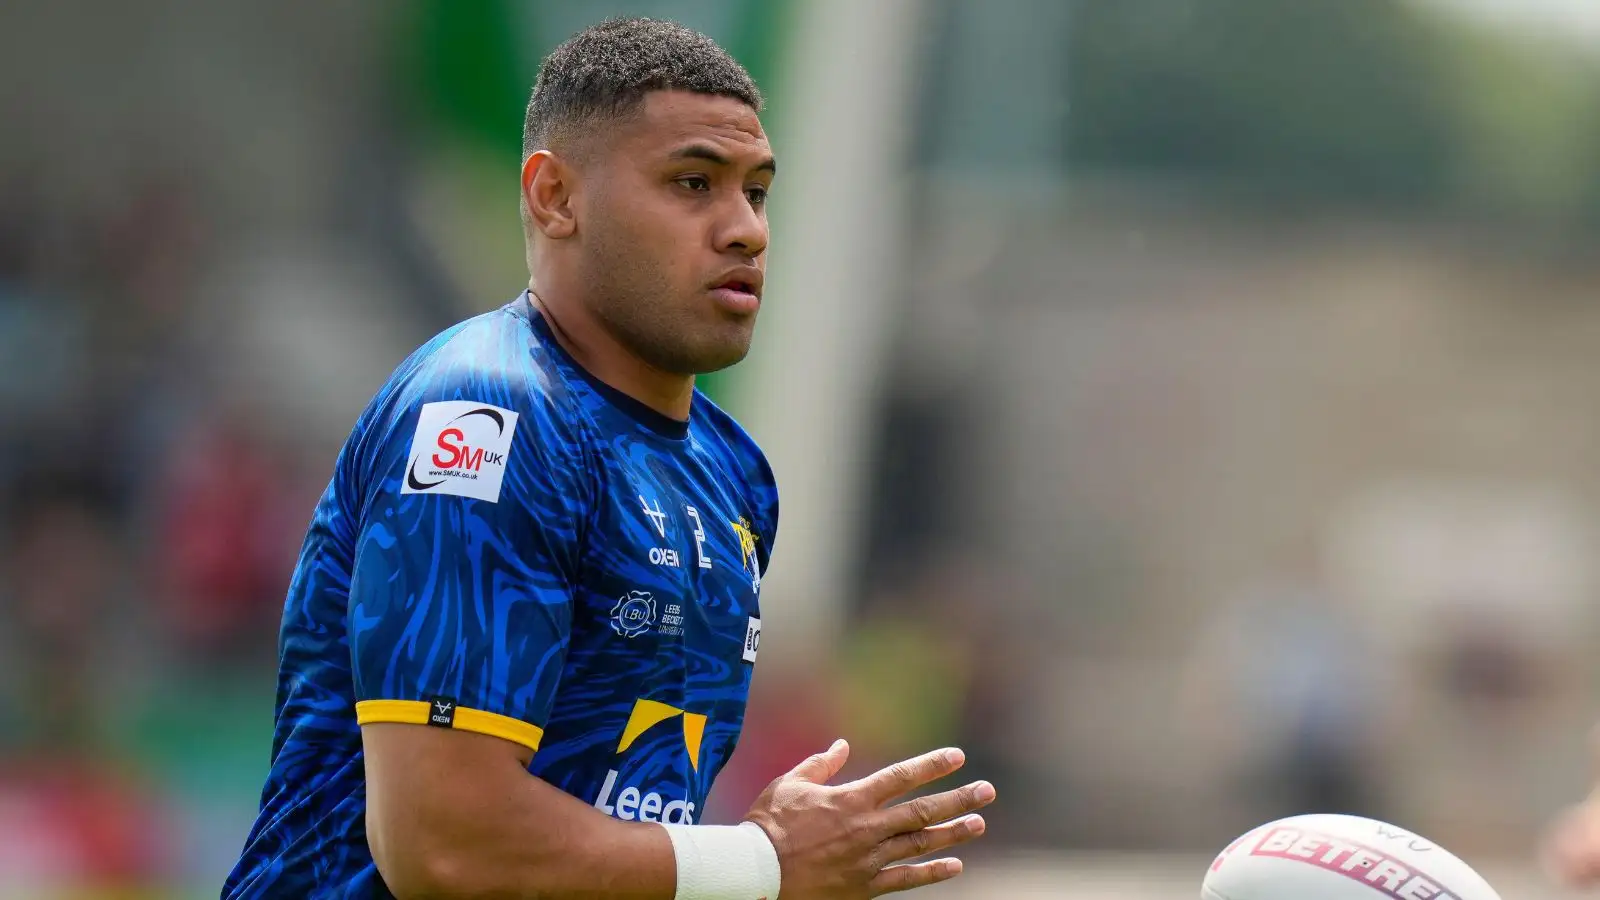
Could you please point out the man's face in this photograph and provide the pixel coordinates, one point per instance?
(672, 223)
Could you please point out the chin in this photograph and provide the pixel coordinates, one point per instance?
(714, 362)
(700, 359)
(721, 350)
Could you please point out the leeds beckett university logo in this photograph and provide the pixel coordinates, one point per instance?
(460, 448)
(632, 803)
(634, 613)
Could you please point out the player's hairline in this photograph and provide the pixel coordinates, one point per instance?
(581, 128)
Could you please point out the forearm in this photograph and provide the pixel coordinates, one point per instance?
(541, 843)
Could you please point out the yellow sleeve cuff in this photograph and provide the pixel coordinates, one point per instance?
(418, 712)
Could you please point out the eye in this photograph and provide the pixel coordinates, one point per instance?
(695, 182)
(757, 195)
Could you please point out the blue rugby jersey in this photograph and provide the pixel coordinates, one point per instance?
(511, 547)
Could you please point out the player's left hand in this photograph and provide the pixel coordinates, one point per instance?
(853, 841)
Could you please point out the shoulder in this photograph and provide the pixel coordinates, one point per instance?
(721, 433)
(483, 393)
(495, 358)
(744, 458)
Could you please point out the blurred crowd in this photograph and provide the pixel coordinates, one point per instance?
(149, 523)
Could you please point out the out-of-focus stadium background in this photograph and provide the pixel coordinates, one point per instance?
(1187, 406)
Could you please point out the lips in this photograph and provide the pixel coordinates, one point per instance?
(741, 280)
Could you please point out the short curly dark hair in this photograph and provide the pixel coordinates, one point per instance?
(605, 71)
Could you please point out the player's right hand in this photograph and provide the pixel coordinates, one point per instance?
(845, 842)
(1571, 847)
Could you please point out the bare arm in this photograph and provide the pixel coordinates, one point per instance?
(452, 814)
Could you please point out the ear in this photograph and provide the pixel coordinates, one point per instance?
(547, 185)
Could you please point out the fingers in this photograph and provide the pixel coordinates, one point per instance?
(818, 768)
(915, 815)
(1572, 850)
(904, 878)
(908, 775)
(928, 840)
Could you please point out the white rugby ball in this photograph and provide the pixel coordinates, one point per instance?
(1337, 857)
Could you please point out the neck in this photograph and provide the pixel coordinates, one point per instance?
(588, 342)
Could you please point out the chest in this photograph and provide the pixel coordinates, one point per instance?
(674, 562)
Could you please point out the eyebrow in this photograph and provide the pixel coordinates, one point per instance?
(710, 154)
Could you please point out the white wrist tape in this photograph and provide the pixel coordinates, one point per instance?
(724, 862)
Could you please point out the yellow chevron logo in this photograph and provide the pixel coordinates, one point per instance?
(647, 714)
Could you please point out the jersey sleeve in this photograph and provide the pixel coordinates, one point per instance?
(461, 598)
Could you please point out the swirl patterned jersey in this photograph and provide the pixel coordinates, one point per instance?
(509, 546)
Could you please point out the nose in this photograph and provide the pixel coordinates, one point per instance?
(742, 228)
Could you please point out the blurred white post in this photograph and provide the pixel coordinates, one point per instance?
(820, 347)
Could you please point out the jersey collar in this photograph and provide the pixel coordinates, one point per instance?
(652, 419)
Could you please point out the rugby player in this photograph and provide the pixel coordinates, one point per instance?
(519, 640)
